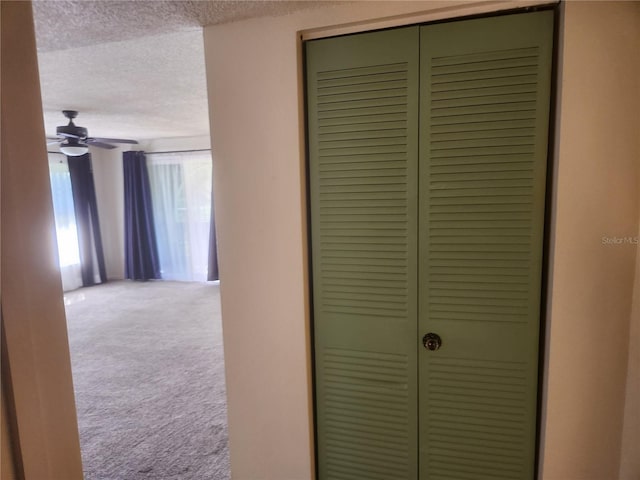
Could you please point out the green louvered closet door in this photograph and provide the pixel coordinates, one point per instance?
(363, 143)
(427, 150)
(483, 148)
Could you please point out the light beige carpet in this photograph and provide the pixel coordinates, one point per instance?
(148, 372)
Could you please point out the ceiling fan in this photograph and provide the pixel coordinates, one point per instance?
(74, 140)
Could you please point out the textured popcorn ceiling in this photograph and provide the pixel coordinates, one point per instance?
(133, 69)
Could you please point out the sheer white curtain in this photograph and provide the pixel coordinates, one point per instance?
(65, 218)
(181, 197)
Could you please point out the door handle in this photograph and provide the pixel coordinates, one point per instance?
(432, 341)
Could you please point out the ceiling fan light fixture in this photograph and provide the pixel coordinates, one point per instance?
(74, 150)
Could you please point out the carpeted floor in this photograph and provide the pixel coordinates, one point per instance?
(148, 371)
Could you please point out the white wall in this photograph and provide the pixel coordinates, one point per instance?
(596, 198)
(176, 143)
(36, 367)
(7, 467)
(630, 452)
(256, 109)
(109, 182)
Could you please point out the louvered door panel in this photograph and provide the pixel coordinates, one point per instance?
(362, 114)
(484, 121)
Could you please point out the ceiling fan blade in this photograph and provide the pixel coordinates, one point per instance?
(69, 135)
(53, 142)
(101, 145)
(110, 140)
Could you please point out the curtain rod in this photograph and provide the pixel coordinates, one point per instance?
(179, 151)
(155, 153)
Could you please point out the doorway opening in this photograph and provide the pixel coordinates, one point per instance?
(147, 357)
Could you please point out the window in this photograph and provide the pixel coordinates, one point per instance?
(181, 197)
(65, 221)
